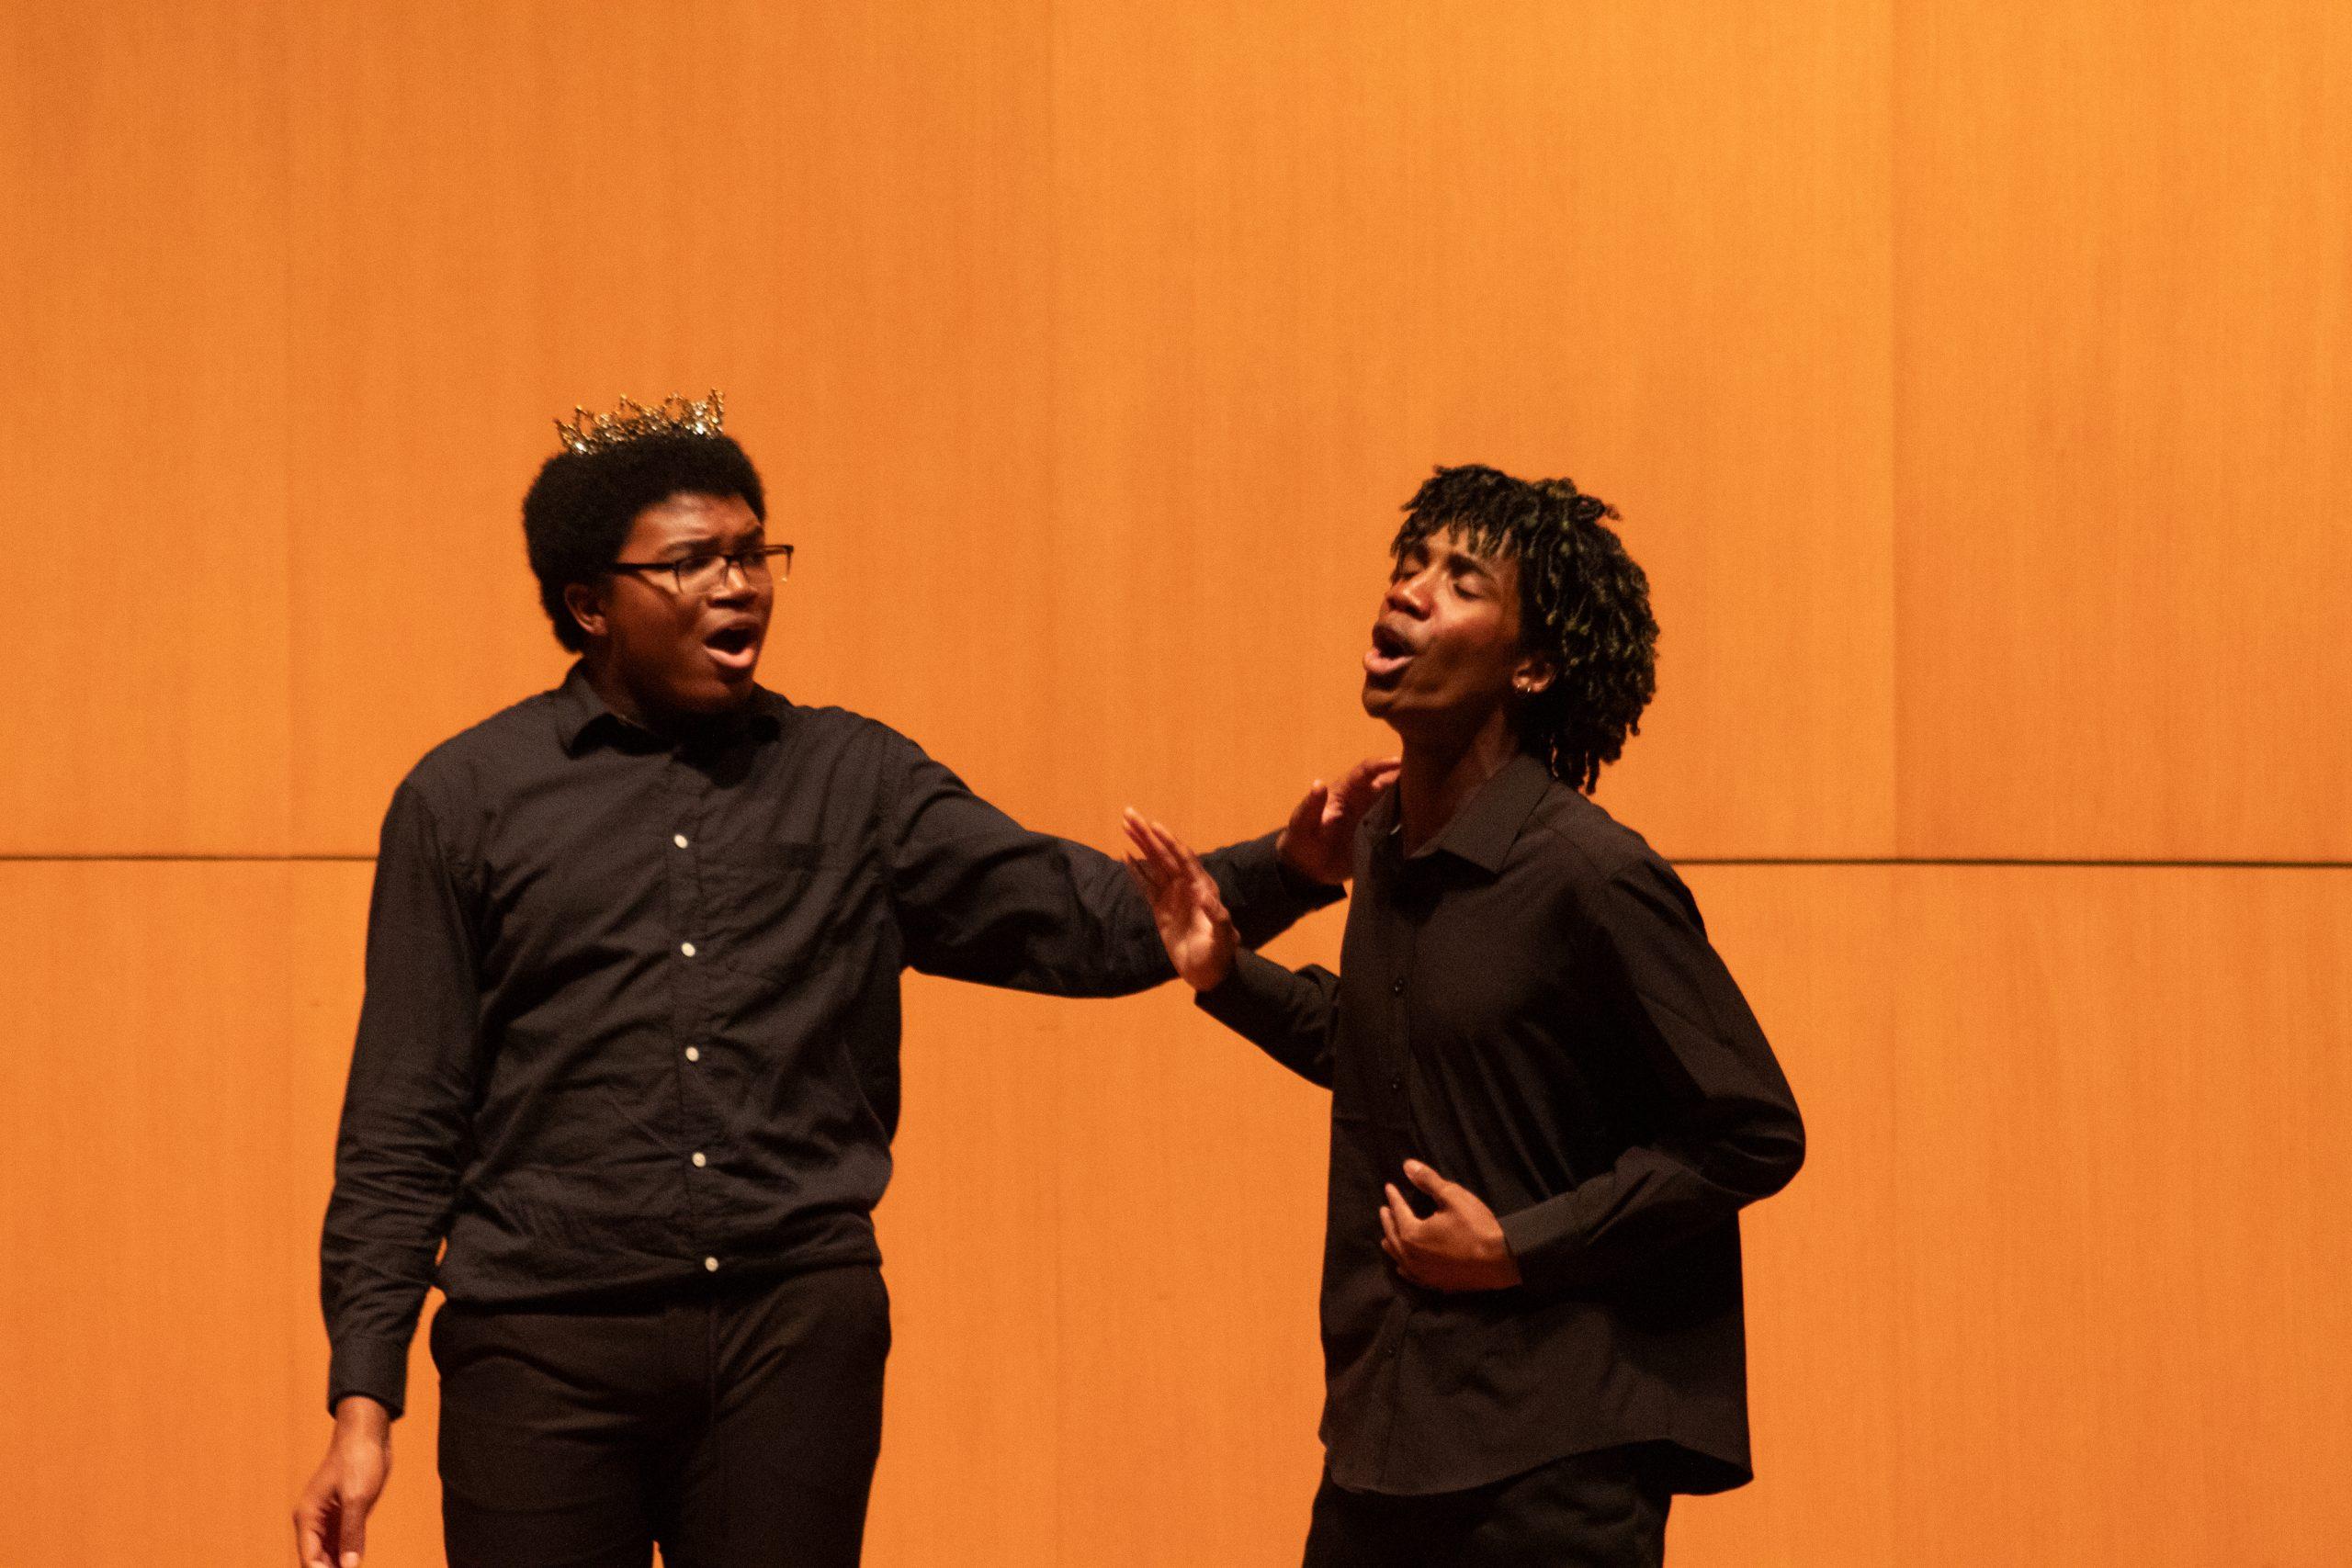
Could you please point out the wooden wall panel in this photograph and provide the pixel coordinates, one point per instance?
(1088, 350)
(2125, 308)
(1304, 253)
(1813, 949)
(2067, 1214)
(325, 927)
(832, 214)
(1192, 1198)
(2119, 1164)
(2060, 1280)
(142, 277)
(972, 1459)
(149, 1164)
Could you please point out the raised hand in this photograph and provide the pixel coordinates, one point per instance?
(1460, 1248)
(1320, 840)
(1193, 924)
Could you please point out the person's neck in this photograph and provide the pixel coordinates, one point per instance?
(1442, 772)
(617, 695)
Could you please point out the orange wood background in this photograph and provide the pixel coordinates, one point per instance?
(1972, 381)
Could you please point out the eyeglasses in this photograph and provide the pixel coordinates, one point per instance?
(705, 571)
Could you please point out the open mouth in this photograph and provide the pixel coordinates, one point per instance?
(734, 649)
(1389, 653)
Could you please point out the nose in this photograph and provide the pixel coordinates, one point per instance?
(734, 585)
(1409, 593)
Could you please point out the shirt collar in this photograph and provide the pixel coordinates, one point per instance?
(1484, 829)
(581, 716)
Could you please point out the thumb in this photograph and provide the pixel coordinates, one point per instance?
(1430, 1182)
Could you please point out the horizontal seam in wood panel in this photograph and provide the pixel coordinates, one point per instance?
(2023, 861)
(185, 860)
(1676, 860)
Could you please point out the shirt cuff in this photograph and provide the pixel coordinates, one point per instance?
(1253, 999)
(1544, 1241)
(375, 1368)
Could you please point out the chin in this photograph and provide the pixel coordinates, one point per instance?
(711, 696)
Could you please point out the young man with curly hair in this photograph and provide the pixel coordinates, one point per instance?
(627, 1069)
(1549, 1100)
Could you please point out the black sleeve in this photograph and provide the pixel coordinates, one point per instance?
(1731, 1133)
(1288, 1014)
(982, 898)
(406, 1110)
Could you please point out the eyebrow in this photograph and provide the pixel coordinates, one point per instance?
(717, 545)
(1457, 559)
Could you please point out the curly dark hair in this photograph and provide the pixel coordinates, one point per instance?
(1581, 600)
(579, 510)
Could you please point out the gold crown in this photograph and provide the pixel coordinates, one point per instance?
(633, 421)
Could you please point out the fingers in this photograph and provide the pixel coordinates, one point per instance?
(311, 1534)
(1394, 1219)
(1365, 783)
(1162, 869)
(351, 1531)
(1175, 882)
(1430, 1182)
(1160, 847)
(1161, 866)
(1175, 857)
(1312, 808)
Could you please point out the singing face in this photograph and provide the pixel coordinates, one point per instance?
(682, 632)
(1446, 650)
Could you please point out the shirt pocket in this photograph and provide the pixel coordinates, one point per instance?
(786, 910)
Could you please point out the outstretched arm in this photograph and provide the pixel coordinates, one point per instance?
(980, 897)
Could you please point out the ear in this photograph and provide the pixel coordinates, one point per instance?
(586, 603)
(1535, 672)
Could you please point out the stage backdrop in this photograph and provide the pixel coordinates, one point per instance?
(1972, 383)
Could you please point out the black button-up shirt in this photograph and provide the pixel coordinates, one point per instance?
(1529, 1005)
(632, 1006)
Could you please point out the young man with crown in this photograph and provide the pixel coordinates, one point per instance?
(626, 1072)
(1549, 1100)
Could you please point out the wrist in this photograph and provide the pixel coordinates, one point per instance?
(360, 1417)
(1211, 972)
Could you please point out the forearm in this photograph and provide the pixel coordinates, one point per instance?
(1288, 1014)
(382, 1234)
(1264, 897)
(1726, 1132)
(1654, 1198)
(406, 1110)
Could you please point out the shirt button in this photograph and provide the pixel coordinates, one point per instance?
(687, 948)
(1396, 986)
(679, 840)
(710, 1264)
(700, 1160)
(1397, 1084)
(693, 1055)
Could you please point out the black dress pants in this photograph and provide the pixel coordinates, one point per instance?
(1591, 1510)
(735, 1426)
